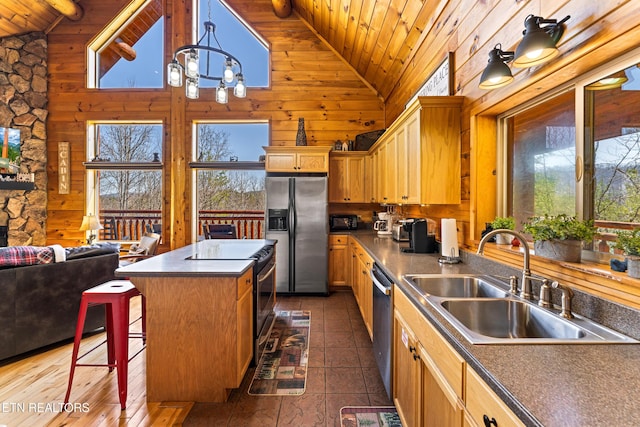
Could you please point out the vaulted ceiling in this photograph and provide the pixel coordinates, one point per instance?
(375, 37)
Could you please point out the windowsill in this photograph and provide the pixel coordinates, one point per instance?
(590, 277)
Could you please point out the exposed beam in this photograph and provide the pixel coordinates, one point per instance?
(282, 8)
(123, 50)
(68, 8)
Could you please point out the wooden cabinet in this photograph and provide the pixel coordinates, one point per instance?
(308, 159)
(347, 177)
(338, 260)
(428, 373)
(482, 402)
(244, 319)
(361, 283)
(417, 159)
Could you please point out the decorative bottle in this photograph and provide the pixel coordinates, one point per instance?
(301, 137)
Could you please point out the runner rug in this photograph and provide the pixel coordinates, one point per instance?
(372, 416)
(282, 369)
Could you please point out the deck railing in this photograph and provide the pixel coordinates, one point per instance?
(131, 225)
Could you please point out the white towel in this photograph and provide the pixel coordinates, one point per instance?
(59, 253)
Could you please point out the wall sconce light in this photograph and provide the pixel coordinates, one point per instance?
(538, 43)
(497, 73)
(610, 82)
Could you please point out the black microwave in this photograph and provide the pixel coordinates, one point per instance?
(343, 222)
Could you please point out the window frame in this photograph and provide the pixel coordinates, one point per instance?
(578, 86)
(93, 167)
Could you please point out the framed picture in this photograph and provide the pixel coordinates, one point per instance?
(10, 159)
(440, 82)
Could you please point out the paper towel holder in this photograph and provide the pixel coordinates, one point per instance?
(450, 259)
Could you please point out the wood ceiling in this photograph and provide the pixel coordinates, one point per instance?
(375, 37)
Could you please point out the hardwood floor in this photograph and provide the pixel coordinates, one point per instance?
(342, 372)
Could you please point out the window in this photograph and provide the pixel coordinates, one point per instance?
(229, 177)
(578, 152)
(129, 51)
(126, 172)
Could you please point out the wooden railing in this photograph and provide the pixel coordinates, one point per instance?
(131, 225)
(603, 241)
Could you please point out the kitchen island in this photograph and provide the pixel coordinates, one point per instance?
(199, 314)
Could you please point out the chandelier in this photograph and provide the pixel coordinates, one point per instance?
(231, 75)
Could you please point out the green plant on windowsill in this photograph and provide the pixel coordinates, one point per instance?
(559, 236)
(629, 242)
(503, 223)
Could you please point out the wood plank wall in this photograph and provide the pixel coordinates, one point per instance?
(597, 32)
(308, 80)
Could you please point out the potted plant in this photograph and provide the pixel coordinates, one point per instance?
(559, 236)
(506, 223)
(629, 242)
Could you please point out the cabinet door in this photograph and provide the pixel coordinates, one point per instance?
(412, 160)
(338, 179)
(313, 162)
(338, 260)
(406, 373)
(392, 171)
(281, 162)
(440, 404)
(355, 184)
(244, 320)
(483, 402)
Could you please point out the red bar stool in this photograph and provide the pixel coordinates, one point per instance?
(115, 296)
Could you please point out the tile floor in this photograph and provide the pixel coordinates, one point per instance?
(342, 372)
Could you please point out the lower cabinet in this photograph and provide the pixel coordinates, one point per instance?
(361, 283)
(484, 407)
(244, 319)
(338, 260)
(432, 384)
(428, 373)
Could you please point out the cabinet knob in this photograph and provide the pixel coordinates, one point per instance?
(489, 422)
(416, 356)
(248, 281)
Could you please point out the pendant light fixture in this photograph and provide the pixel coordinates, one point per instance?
(610, 82)
(538, 44)
(497, 73)
(230, 67)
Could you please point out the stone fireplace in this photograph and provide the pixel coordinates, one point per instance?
(23, 106)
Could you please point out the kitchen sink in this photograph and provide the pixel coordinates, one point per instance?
(481, 308)
(515, 321)
(456, 286)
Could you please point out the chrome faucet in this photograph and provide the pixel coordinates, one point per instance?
(525, 292)
(567, 295)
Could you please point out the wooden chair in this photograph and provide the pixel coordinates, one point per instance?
(146, 248)
(219, 231)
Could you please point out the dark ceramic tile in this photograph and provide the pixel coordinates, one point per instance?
(344, 380)
(316, 357)
(316, 339)
(337, 325)
(373, 381)
(338, 339)
(209, 414)
(259, 411)
(315, 380)
(336, 401)
(367, 359)
(307, 410)
(341, 357)
(361, 338)
(380, 399)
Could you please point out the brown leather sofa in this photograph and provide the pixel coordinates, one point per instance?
(39, 303)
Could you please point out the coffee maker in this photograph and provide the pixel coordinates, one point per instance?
(422, 238)
(384, 223)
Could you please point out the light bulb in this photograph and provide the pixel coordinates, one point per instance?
(228, 71)
(533, 54)
(174, 74)
(192, 90)
(222, 96)
(240, 90)
(191, 64)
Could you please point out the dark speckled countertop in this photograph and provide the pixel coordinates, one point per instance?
(549, 385)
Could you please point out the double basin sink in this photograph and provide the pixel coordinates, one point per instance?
(482, 309)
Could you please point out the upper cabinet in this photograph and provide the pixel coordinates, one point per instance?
(308, 159)
(347, 183)
(417, 160)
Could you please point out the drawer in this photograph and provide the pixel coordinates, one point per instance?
(338, 239)
(481, 401)
(245, 283)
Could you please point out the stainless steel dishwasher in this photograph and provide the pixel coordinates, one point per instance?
(382, 324)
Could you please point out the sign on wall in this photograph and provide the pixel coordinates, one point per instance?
(440, 82)
(64, 171)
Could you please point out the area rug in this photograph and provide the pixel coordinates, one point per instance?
(372, 416)
(282, 369)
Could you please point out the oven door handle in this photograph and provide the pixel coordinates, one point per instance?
(380, 286)
(261, 277)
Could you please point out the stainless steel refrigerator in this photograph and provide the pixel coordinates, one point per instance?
(297, 217)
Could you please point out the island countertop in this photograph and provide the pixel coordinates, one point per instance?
(215, 257)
